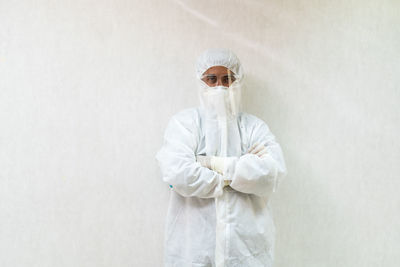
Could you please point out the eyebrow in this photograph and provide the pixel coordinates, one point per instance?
(227, 74)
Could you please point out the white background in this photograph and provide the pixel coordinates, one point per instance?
(87, 88)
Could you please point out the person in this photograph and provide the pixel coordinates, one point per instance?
(221, 165)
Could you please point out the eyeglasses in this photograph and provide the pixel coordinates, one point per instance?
(212, 79)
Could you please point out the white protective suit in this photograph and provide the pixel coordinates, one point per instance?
(210, 224)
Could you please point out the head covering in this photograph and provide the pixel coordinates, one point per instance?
(218, 57)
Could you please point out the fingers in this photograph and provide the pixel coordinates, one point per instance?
(262, 152)
(258, 148)
(252, 148)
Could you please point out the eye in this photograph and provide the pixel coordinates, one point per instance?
(211, 79)
(228, 79)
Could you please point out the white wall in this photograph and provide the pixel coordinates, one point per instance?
(87, 87)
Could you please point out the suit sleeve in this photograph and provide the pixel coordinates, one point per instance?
(178, 163)
(260, 176)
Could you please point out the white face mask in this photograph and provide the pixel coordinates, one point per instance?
(221, 101)
(222, 106)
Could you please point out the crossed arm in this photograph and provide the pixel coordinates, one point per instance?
(256, 172)
(226, 165)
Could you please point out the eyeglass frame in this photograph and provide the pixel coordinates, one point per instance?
(230, 78)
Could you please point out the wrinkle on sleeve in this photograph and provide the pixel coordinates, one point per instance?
(178, 163)
(260, 176)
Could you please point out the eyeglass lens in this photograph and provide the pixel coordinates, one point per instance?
(212, 80)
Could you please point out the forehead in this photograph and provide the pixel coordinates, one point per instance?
(218, 70)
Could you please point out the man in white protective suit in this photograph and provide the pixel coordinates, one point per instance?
(222, 166)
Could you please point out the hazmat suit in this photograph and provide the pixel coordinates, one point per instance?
(222, 165)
